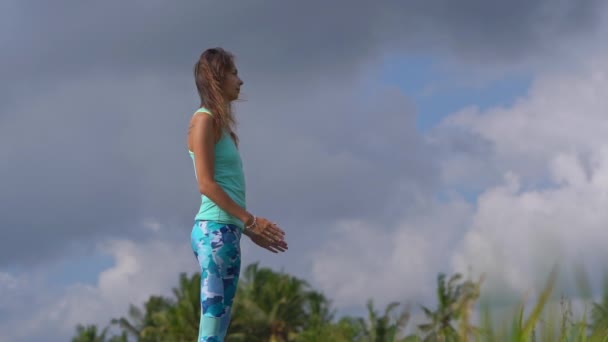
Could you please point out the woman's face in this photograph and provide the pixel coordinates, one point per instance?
(232, 85)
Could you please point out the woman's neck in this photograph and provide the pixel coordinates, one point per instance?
(226, 107)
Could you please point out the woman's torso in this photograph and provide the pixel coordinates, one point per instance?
(228, 174)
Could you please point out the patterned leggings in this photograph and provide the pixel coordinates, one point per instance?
(217, 248)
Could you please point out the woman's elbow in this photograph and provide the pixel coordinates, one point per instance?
(205, 186)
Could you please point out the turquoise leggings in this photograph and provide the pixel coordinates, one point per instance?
(217, 248)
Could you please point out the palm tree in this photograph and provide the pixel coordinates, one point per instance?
(320, 315)
(180, 320)
(440, 326)
(143, 325)
(91, 333)
(269, 306)
(385, 328)
(349, 329)
(467, 295)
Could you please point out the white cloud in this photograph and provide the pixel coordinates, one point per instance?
(142, 268)
(564, 112)
(544, 190)
(517, 236)
(363, 260)
(554, 136)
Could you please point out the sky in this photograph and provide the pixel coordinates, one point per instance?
(391, 141)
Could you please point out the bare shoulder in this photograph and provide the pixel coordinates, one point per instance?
(201, 125)
(201, 121)
(200, 117)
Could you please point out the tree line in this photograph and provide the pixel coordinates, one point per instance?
(274, 306)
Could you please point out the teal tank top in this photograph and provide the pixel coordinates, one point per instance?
(229, 175)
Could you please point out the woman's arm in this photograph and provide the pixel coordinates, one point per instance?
(203, 146)
(264, 233)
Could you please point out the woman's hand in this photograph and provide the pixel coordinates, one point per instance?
(269, 230)
(267, 235)
(274, 247)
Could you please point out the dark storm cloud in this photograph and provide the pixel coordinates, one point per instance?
(71, 36)
(95, 100)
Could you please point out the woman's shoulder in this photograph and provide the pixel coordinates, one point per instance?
(203, 110)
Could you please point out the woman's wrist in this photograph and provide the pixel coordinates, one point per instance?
(249, 220)
(250, 226)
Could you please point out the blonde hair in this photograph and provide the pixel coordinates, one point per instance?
(209, 72)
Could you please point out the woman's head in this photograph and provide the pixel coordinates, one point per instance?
(218, 84)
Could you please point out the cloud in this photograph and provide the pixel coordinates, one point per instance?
(517, 235)
(363, 260)
(552, 149)
(96, 171)
(307, 39)
(562, 113)
(336, 153)
(104, 112)
(141, 269)
(547, 160)
(79, 166)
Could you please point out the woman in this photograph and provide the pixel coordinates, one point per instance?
(222, 217)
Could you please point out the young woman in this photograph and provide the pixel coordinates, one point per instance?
(223, 215)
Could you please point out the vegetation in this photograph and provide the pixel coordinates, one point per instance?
(277, 307)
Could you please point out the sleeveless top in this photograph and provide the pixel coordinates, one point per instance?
(230, 177)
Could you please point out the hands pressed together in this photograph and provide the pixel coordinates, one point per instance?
(267, 235)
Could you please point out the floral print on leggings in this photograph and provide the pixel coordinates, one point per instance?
(217, 248)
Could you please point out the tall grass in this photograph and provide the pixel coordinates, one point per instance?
(545, 322)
